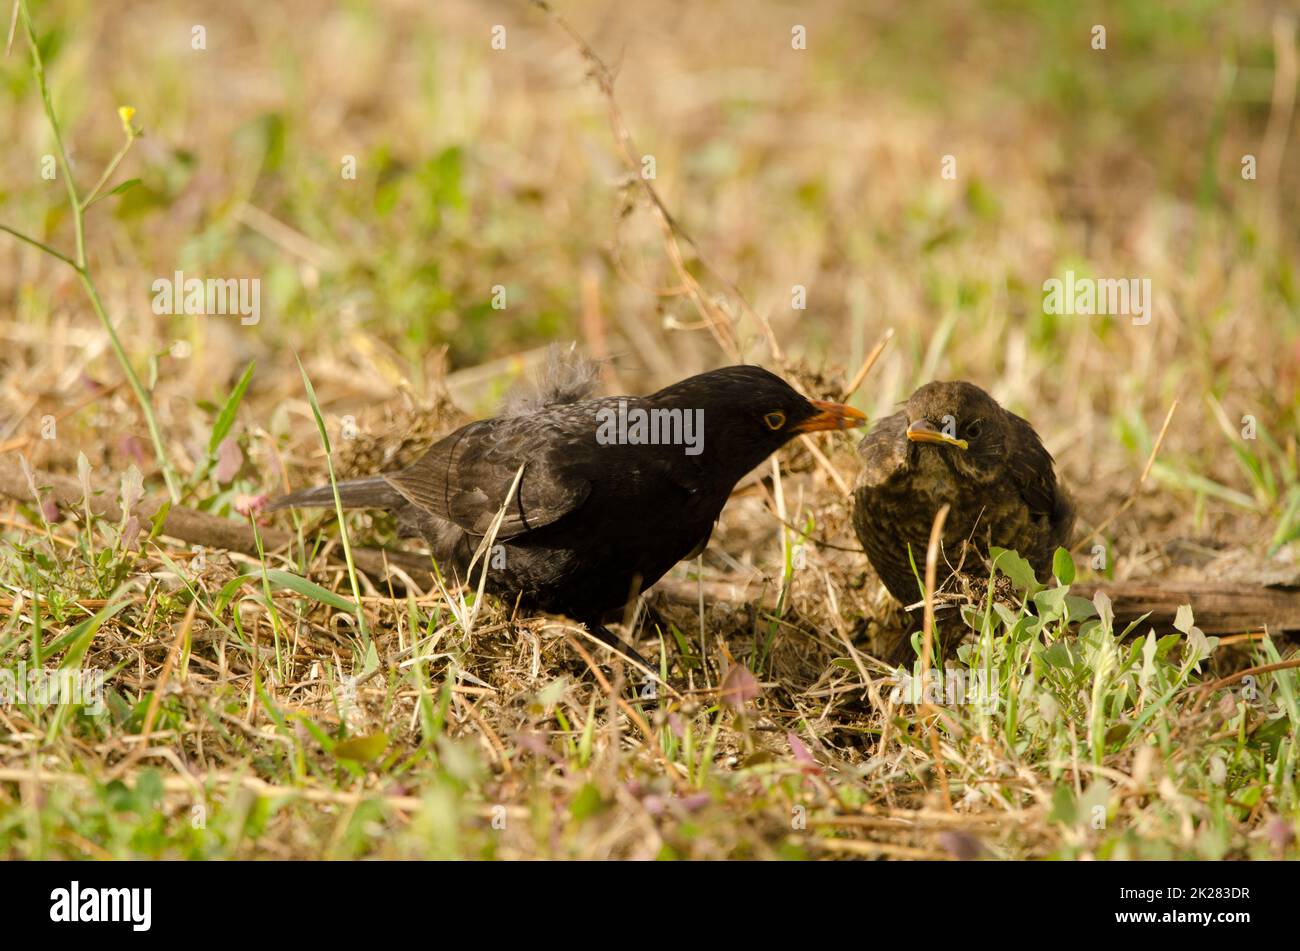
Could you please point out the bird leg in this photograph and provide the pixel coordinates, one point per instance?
(651, 617)
(604, 634)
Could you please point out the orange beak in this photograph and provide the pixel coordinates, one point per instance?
(831, 416)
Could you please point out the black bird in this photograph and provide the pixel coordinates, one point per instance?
(953, 444)
(608, 494)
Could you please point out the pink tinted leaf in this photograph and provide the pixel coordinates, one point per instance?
(695, 801)
(230, 458)
(130, 533)
(962, 846)
(801, 753)
(1280, 833)
(133, 448)
(739, 686)
(250, 504)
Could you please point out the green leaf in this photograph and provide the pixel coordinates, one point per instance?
(1094, 804)
(1064, 808)
(975, 618)
(159, 519)
(1148, 672)
(315, 408)
(1063, 566)
(1117, 734)
(124, 187)
(309, 589)
(552, 694)
(588, 802)
(320, 736)
(1183, 619)
(1050, 603)
(363, 749)
(148, 790)
(79, 637)
(1015, 568)
(1079, 609)
(1058, 655)
(291, 582)
(1101, 601)
(221, 428)
(460, 761)
(371, 661)
(227, 592)
(1197, 483)
(1167, 643)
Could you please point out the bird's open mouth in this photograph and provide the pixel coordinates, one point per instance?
(831, 416)
(923, 431)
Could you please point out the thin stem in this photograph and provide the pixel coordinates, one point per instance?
(155, 434)
(38, 69)
(108, 173)
(338, 500)
(79, 222)
(44, 247)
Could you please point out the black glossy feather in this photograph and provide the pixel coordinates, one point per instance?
(592, 521)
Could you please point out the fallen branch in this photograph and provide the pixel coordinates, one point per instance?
(194, 527)
(1219, 608)
(1222, 608)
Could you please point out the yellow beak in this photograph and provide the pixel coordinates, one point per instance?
(923, 431)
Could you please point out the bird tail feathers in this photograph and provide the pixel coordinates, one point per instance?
(372, 493)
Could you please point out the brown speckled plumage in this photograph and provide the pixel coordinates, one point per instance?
(1001, 489)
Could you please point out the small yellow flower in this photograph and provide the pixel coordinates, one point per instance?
(127, 113)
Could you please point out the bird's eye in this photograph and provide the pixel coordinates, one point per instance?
(774, 420)
(973, 428)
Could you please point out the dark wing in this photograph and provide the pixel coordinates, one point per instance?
(883, 451)
(1031, 469)
(466, 477)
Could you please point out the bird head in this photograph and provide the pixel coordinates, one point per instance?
(957, 425)
(749, 413)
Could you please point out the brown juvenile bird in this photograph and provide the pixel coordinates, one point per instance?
(953, 444)
(610, 493)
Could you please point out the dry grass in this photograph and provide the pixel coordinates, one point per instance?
(251, 720)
